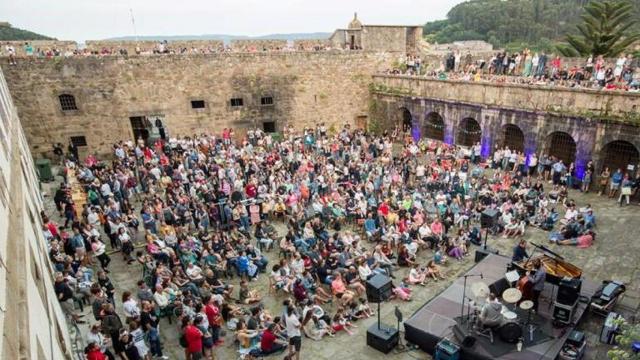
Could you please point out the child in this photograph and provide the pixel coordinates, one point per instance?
(365, 309)
(248, 296)
(401, 292)
(417, 275)
(434, 271)
(439, 258)
(340, 323)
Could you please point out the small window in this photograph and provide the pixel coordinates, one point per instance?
(266, 101)
(79, 140)
(67, 102)
(269, 127)
(237, 102)
(197, 104)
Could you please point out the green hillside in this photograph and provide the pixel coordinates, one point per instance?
(511, 23)
(8, 33)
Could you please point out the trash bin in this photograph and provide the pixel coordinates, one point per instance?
(44, 170)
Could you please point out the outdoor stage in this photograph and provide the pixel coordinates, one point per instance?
(436, 320)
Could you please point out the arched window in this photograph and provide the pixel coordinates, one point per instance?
(406, 118)
(434, 127)
(512, 137)
(469, 132)
(620, 154)
(562, 146)
(67, 102)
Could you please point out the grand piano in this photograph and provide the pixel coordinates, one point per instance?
(555, 265)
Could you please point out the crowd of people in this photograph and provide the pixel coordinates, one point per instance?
(532, 68)
(199, 214)
(162, 47)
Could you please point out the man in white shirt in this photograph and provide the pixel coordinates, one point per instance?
(293, 332)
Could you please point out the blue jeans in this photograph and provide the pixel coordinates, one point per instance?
(154, 342)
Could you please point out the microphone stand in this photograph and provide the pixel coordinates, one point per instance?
(464, 293)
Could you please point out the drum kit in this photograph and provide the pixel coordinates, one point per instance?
(511, 330)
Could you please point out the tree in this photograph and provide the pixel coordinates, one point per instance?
(604, 30)
(630, 334)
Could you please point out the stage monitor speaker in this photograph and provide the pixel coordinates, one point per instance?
(482, 253)
(383, 339)
(378, 288)
(568, 291)
(499, 286)
(468, 341)
(488, 218)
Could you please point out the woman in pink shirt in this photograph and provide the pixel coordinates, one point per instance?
(437, 228)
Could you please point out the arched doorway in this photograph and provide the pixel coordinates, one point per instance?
(469, 132)
(512, 137)
(406, 120)
(619, 154)
(434, 127)
(562, 146)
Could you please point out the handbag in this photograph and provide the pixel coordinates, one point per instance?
(625, 191)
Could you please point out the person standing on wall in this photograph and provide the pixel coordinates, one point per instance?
(537, 280)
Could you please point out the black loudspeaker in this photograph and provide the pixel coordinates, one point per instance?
(378, 288)
(568, 291)
(482, 253)
(488, 218)
(383, 339)
(468, 341)
(499, 286)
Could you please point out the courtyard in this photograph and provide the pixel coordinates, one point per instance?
(613, 256)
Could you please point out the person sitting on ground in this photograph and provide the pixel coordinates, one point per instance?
(339, 322)
(434, 270)
(269, 343)
(417, 275)
(247, 296)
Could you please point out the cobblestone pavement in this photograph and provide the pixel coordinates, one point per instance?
(614, 255)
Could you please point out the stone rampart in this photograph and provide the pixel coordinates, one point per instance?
(149, 46)
(305, 88)
(251, 45)
(39, 45)
(615, 105)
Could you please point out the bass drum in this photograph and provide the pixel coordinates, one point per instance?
(510, 332)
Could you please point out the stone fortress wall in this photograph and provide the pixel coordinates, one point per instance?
(576, 125)
(44, 45)
(306, 88)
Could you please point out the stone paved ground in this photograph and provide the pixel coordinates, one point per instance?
(613, 256)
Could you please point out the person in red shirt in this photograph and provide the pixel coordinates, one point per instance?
(251, 190)
(93, 352)
(213, 315)
(193, 337)
(269, 344)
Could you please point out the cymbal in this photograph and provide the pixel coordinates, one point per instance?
(480, 289)
(512, 295)
(526, 305)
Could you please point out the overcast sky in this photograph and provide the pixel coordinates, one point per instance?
(98, 19)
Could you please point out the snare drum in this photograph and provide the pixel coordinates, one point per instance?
(509, 316)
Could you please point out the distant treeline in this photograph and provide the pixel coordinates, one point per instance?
(513, 24)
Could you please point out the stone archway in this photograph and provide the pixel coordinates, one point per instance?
(469, 132)
(434, 126)
(512, 137)
(561, 146)
(405, 119)
(619, 154)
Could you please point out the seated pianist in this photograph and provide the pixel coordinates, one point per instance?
(520, 251)
(490, 315)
